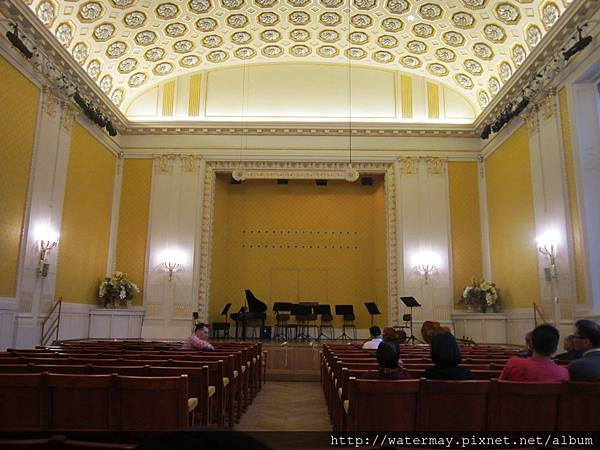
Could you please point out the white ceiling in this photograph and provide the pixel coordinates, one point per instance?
(473, 45)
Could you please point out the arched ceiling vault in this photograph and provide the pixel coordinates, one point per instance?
(474, 45)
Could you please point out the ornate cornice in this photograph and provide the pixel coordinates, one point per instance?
(409, 166)
(436, 166)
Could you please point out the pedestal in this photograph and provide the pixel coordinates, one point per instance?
(116, 323)
(483, 328)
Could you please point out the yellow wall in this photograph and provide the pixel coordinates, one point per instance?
(511, 222)
(300, 242)
(18, 110)
(84, 236)
(465, 224)
(133, 221)
(572, 190)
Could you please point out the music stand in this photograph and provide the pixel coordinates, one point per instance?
(302, 313)
(373, 310)
(279, 307)
(344, 310)
(222, 326)
(324, 310)
(411, 302)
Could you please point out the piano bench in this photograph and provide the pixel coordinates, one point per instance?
(220, 326)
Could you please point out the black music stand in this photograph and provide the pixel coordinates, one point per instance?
(279, 307)
(373, 310)
(411, 302)
(222, 326)
(345, 311)
(302, 313)
(325, 312)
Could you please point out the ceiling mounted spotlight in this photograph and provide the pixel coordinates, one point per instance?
(13, 37)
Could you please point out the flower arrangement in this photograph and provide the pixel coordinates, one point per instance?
(116, 290)
(480, 295)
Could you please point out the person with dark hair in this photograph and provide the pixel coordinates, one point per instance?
(540, 367)
(528, 353)
(375, 338)
(446, 358)
(569, 345)
(388, 358)
(198, 339)
(586, 341)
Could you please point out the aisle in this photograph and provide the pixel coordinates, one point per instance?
(287, 406)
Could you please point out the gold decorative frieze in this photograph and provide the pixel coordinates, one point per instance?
(409, 166)
(436, 166)
(165, 163)
(189, 163)
(549, 104)
(68, 114)
(50, 103)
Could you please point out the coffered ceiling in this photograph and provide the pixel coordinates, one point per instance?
(472, 45)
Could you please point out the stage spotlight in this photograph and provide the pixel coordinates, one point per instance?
(582, 43)
(111, 130)
(487, 130)
(13, 37)
(521, 106)
(321, 182)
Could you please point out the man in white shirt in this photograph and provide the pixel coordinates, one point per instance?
(198, 339)
(586, 340)
(375, 338)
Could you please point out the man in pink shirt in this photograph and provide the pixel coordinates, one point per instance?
(198, 339)
(539, 367)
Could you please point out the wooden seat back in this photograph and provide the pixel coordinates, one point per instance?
(578, 409)
(21, 402)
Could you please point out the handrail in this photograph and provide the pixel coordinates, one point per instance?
(54, 325)
(537, 311)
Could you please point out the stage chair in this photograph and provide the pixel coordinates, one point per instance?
(523, 406)
(453, 405)
(22, 402)
(578, 408)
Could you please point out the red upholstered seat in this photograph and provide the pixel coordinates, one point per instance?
(523, 406)
(453, 405)
(579, 407)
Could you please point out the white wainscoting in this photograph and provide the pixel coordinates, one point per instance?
(8, 319)
(74, 321)
(116, 323)
(483, 328)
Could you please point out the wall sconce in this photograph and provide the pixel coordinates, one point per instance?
(546, 245)
(172, 261)
(48, 240)
(426, 263)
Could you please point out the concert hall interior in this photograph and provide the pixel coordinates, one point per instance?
(290, 173)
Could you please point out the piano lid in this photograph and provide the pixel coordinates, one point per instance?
(254, 304)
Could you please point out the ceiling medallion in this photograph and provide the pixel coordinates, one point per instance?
(417, 47)
(301, 35)
(356, 53)
(163, 68)
(64, 33)
(494, 33)
(331, 3)
(483, 51)
(518, 54)
(80, 52)
(137, 79)
(330, 19)
(299, 18)
(145, 37)
(106, 83)
(327, 51)
(361, 20)
(494, 85)
(212, 41)
(329, 36)
(463, 20)
(300, 50)
(232, 4)
(166, 11)
(533, 35)
(412, 62)
(116, 49)
(241, 37)
(392, 24)
(117, 97)
(217, 56)
(265, 3)
(437, 69)
(189, 61)
(358, 38)
(445, 54)
(268, 19)
(270, 35)
(422, 30)
(206, 24)
(176, 29)
(46, 12)
(127, 65)
(236, 21)
(183, 46)
(104, 31)
(505, 71)
(430, 11)
(387, 41)
(94, 68)
(453, 38)
(134, 19)
(474, 4)
(154, 54)
(507, 13)
(90, 11)
(199, 6)
(397, 6)
(464, 81)
(298, 3)
(245, 53)
(272, 51)
(473, 67)
(550, 14)
(364, 4)
(122, 3)
(484, 99)
(381, 56)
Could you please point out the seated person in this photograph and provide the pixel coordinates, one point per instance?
(388, 357)
(539, 367)
(375, 338)
(446, 358)
(529, 352)
(198, 339)
(586, 341)
(569, 345)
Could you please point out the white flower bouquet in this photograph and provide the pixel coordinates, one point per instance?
(481, 295)
(116, 290)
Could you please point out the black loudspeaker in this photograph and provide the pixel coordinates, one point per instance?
(265, 333)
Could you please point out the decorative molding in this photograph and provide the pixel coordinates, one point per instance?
(409, 166)
(548, 104)
(67, 118)
(164, 163)
(189, 163)
(392, 243)
(50, 103)
(436, 166)
(532, 119)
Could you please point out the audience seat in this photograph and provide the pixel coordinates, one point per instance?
(579, 407)
(21, 402)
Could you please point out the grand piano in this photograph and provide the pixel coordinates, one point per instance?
(250, 315)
